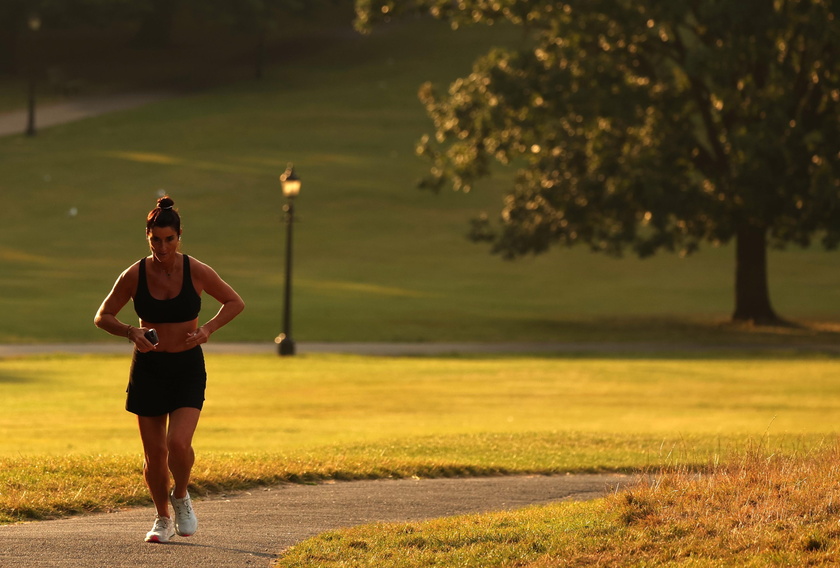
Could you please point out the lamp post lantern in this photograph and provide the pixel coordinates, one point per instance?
(34, 24)
(290, 183)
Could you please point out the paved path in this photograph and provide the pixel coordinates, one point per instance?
(419, 349)
(251, 529)
(74, 109)
(393, 349)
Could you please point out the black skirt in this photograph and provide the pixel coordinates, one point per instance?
(162, 382)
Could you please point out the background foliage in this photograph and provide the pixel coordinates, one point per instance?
(374, 258)
(647, 126)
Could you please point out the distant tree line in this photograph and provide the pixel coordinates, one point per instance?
(153, 21)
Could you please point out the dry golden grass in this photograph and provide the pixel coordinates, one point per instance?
(759, 509)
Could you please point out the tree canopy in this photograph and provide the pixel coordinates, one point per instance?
(647, 125)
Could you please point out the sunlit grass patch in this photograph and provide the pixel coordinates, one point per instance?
(327, 400)
(41, 487)
(500, 539)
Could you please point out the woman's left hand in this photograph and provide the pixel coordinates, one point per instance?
(197, 337)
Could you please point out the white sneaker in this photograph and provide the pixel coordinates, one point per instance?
(162, 531)
(185, 520)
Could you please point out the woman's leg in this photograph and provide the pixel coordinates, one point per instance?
(182, 425)
(155, 469)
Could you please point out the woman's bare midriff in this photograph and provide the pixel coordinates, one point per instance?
(172, 336)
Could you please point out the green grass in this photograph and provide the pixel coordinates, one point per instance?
(349, 417)
(375, 259)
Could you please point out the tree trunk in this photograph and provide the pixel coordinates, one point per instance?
(260, 55)
(752, 298)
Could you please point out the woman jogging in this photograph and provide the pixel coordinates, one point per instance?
(167, 377)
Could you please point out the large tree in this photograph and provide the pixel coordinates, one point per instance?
(649, 125)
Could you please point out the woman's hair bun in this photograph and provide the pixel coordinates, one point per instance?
(164, 215)
(165, 202)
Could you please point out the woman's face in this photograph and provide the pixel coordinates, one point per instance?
(163, 242)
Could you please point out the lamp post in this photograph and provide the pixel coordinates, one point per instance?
(34, 24)
(290, 183)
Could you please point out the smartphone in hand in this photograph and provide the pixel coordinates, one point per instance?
(152, 336)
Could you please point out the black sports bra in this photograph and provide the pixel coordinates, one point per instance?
(183, 307)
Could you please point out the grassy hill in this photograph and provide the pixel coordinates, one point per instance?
(375, 259)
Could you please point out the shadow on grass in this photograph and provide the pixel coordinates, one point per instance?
(7, 378)
(655, 337)
(670, 330)
(686, 330)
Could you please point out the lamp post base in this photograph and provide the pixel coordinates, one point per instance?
(285, 345)
(30, 113)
